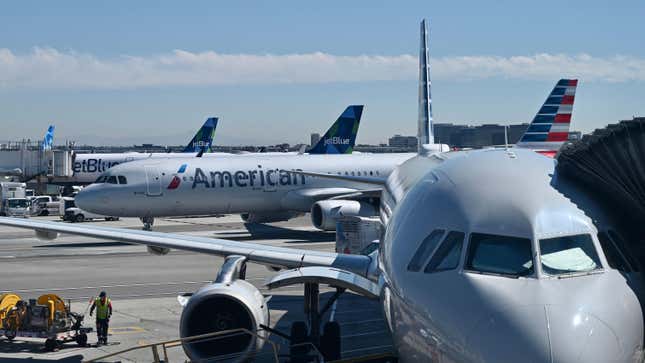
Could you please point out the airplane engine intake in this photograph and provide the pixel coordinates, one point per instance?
(219, 307)
(325, 213)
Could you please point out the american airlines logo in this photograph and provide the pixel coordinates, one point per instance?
(336, 140)
(237, 178)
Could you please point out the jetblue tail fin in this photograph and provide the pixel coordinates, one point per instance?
(48, 140)
(341, 137)
(203, 139)
(549, 130)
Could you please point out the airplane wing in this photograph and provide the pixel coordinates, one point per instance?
(254, 252)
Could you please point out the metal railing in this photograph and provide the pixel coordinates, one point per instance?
(163, 346)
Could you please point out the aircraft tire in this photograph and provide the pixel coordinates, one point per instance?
(330, 341)
(298, 336)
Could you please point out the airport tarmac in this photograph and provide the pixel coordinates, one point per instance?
(144, 287)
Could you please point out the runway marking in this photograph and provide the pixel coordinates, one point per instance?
(109, 286)
(126, 330)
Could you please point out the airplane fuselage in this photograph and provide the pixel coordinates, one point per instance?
(230, 184)
(472, 306)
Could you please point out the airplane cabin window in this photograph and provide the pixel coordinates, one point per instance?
(502, 255)
(619, 241)
(122, 180)
(112, 179)
(614, 258)
(448, 254)
(425, 249)
(568, 254)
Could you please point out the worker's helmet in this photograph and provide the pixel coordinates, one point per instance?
(102, 294)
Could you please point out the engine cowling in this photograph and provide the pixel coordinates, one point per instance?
(325, 212)
(159, 251)
(268, 217)
(46, 235)
(224, 306)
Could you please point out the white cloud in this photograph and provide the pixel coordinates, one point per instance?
(51, 68)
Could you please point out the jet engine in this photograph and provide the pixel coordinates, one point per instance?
(46, 235)
(219, 307)
(159, 251)
(268, 217)
(325, 212)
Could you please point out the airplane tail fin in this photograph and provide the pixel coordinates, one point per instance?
(425, 132)
(48, 140)
(341, 136)
(203, 139)
(549, 130)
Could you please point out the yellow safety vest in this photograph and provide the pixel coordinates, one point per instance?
(101, 309)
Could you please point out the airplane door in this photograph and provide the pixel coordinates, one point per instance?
(153, 181)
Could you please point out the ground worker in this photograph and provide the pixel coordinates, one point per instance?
(103, 308)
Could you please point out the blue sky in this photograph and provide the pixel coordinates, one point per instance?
(132, 72)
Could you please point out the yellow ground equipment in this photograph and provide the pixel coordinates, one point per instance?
(46, 317)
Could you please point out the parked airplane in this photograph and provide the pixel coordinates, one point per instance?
(48, 140)
(487, 256)
(88, 167)
(549, 130)
(255, 185)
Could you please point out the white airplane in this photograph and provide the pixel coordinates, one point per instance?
(339, 139)
(254, 185)
(487, 256)
(88, 167)
(260, 188)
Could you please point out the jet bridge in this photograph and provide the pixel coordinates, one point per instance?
(610, 163)
(26, 160)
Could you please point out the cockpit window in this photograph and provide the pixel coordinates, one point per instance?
(569, 254)
(448, 254)
(425, 249)
(101, 179)
(502, 255)
(111, 179)
(122, 180)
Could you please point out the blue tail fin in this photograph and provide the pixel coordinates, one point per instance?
(549, 130)
(203, 140)
(48, 140)
(341, 137)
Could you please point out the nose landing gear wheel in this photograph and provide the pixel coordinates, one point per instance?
(298, 350)
(330, 341)
(147, 223)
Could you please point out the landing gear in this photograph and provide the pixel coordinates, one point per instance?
(147, 223)
(329, 343)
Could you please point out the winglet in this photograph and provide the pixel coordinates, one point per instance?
(203, 139)
(425, 132)
(48, 140)
(341, 136)
(549, 130)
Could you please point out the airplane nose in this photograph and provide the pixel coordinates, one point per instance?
(544, 333)
(88, 200)
(578, 336)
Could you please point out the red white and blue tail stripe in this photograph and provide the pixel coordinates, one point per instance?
(549, 130)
